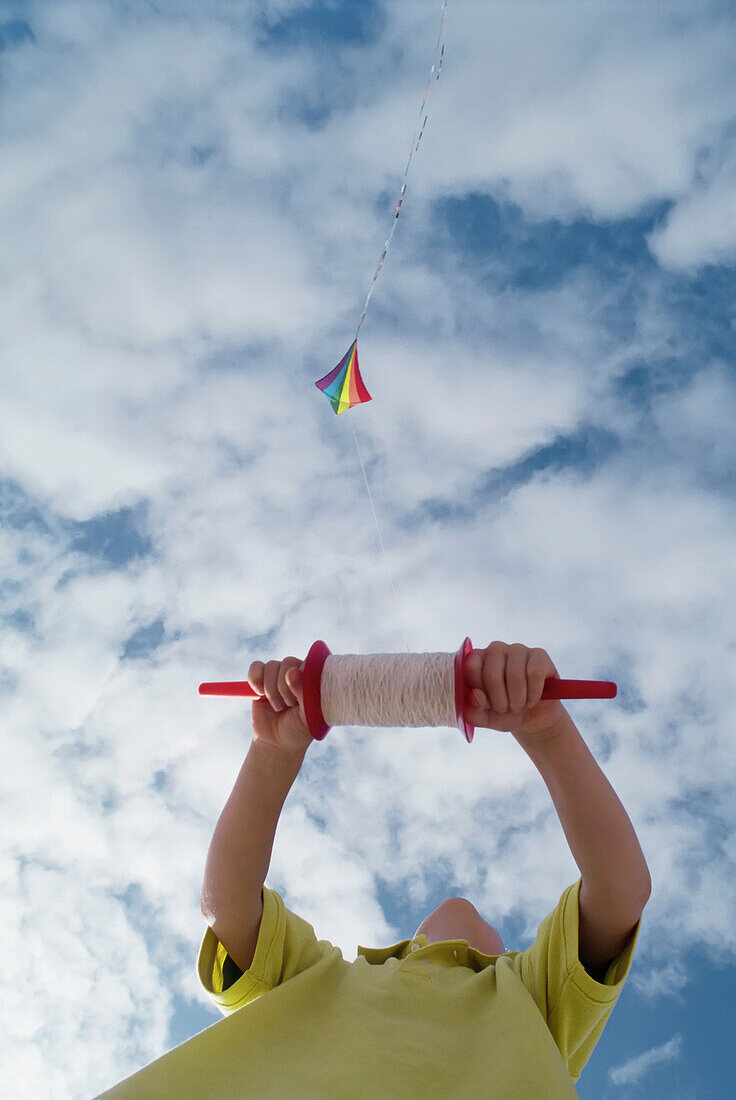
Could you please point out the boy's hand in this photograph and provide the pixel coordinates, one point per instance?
(278, 717)
(509, 680)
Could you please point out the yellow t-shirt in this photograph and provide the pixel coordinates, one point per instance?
(412, 1020)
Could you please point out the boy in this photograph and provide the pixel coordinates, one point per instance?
(448, 1013)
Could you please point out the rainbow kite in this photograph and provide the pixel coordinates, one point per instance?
(343, 387)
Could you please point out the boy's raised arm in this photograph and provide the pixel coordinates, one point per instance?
(240, 850)
(507, 683)
(615, 881)
(241, 846)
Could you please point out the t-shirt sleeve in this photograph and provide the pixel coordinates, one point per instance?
(287, 945)
(575, 1006)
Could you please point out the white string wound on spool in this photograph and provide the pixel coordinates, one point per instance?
(389, 689)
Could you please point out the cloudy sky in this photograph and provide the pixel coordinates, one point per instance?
(193, 198)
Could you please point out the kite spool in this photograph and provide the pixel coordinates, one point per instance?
(395, 689)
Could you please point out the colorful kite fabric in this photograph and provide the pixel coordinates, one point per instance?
(343, 387)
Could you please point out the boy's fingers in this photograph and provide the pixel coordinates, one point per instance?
(512, 678)
(255, 676)
(516, 677)
(271, 684)
(272, 680)
(484, 717)
(285, 690)
(295, 680)
(493, 677)
(538, 669)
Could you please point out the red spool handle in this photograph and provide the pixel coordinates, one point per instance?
(553, 689)
(230, 687)
(578, 689)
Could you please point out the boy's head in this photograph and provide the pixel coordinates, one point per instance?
(458, 919)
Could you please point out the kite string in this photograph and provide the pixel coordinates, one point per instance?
(380, 536)
(436, 65)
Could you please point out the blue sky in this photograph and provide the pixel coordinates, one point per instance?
(193, 200)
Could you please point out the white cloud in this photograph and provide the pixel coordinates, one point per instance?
(664, 981)
(631, 1072)
(701, 229)
(87, 960)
